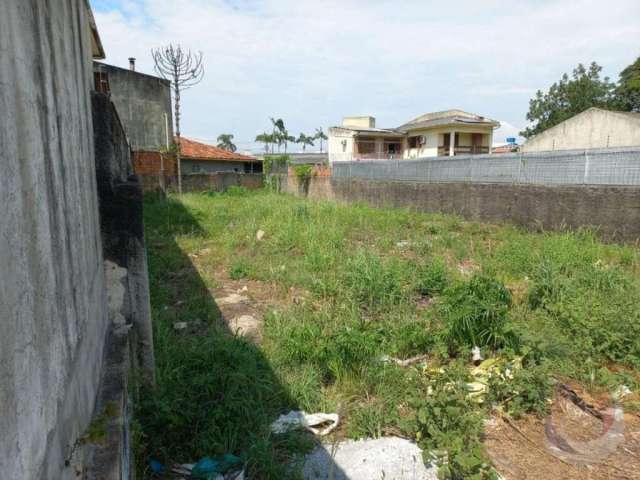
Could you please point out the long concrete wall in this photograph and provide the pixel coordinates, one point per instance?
(614, 211)
(53, 315)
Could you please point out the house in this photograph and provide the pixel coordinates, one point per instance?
(593, 128)
(447, 133)
(197, 157)
(143, 103)
(510, 146)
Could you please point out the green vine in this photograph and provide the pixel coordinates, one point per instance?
(272, 167)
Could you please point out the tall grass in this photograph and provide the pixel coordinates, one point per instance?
(565, 303)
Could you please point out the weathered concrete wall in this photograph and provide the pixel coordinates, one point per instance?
(614, 211)
(142, 102)
(53, 312)
(189, 166)
(120, 194)
(220, 182)
(130, 341)
(593, 128)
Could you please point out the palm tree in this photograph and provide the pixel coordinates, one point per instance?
(320, 136)
(304, 140)
(280, 134)
(225, 141)
(266, 139)
(286, 138)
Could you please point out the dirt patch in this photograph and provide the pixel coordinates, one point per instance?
(520, 450)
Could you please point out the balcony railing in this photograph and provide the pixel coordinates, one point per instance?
(378, 156)
(463, 150)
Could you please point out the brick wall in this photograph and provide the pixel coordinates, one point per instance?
(151, 163)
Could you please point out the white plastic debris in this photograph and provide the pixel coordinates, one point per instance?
(180, 325)
(301, 419)
(476, 356)
(231, 299)
(403, 244)
(621, 392)
(259, 235)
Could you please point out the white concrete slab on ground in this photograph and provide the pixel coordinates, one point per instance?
(388, 458)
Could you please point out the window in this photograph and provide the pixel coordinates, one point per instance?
(417, 141)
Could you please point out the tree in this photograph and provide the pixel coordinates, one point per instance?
(304, 140)
(320, 136)
(267, 139)
(286, 138)
(184, 70)
(628, 89)
(568, 97)
(279, 132)
(225, 141)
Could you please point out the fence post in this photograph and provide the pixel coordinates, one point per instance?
(518, 178)
(586, 168)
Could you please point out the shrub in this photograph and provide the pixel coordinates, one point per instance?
(475, 313)
(372, 283)
(431, 279)
(239, 269)
(448, 426)
(526, 392)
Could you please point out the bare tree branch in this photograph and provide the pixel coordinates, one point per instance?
(184, 70)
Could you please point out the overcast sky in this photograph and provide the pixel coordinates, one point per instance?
(313, 62)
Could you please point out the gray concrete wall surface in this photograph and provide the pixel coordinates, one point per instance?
(593, 128)
(614, 211)
(120, 196)
(220, 182)
(142, 101)
(189, 166)
(52, 293)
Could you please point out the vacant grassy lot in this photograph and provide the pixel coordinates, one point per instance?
(369, 285)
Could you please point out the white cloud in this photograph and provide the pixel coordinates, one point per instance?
(313, 62)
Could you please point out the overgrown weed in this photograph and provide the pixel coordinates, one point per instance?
(578, 316)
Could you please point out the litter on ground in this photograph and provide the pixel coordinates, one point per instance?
(319, 423)
(388, 458)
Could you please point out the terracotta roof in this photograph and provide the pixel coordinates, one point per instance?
(508, 148)
(201, 151)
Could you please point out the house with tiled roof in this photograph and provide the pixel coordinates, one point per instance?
(198, 157)
(446, 133)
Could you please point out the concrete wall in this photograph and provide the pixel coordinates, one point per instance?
(614, 211)
(220, 182)
(53, 311)
(130, 340)
(189, 166)
(593, 128)
(142, 102)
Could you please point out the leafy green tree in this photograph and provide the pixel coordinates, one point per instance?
(304, 140)
(568, 97)
(628, 90)
(225, 141)
(320, 136)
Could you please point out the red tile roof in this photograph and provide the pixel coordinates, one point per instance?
(202, 151)
(505, 149)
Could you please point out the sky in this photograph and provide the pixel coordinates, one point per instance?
(313, 62)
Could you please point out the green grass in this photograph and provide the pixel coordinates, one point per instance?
(566, 303)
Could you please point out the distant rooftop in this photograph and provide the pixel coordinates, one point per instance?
(190, 149)
(366, 124)
(447, 117)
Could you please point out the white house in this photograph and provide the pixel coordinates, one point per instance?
(448, 133)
